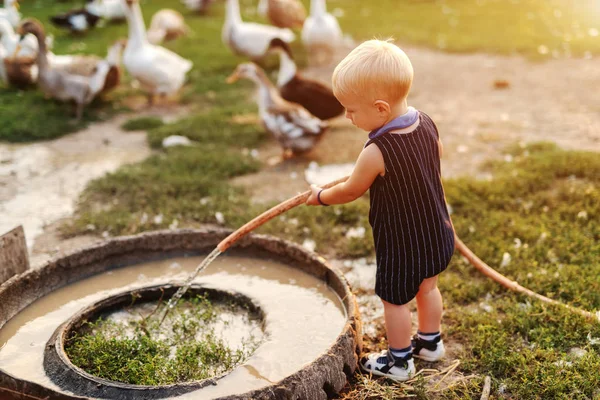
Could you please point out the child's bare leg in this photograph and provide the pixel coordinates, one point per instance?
(398, 323)
(428, 344)
(396, 362)
(429, 306)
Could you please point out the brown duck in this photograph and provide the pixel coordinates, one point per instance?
(311, 94)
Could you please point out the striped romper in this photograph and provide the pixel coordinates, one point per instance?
(413, 234)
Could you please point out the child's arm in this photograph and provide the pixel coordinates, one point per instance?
(368, 166)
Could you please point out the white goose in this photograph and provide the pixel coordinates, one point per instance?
(249, 39)
(321, 33)
(17, 67)
(165, 25)
(10, 12)
(199, 6)
(159, 71)
(110, 10)
(3, 55)
(9, 39)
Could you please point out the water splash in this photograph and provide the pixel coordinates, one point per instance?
(188, 282)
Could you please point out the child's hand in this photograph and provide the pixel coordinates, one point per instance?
(312, 199)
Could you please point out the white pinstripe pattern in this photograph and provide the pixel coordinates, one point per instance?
(393, 173)
(425, 173)
(410, 163)
(377, 236)
(390, 249)
(383, 191)
(449, 240)
(430, 192)
(407, 264)
(416, 157)
(395, 167)
(435, 162)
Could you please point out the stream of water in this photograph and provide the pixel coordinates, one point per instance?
(188, 282)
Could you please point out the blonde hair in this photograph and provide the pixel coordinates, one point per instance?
(375, 70)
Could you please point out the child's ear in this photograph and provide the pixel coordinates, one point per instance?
(382, 106)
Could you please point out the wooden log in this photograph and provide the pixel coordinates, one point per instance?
(14, 258)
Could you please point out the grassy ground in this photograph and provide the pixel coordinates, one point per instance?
(541, 209)
(539, 214)
(535, 28)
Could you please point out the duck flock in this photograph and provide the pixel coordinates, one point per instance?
(294, 110)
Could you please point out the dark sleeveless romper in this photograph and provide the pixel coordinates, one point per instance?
(414, 237)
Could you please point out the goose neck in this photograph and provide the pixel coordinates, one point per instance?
(114, 54)
(318, 8)
(137, 28)
(287, 68)
(233, 12)
(7, 33)
(42, 56)
(263, 7)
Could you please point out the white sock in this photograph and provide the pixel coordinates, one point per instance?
(401, 353)
(429, 337)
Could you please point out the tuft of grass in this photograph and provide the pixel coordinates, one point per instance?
(49, 118)
(142, 124)
(143, 352)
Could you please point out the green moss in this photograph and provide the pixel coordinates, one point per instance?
(144, 352)
(142, 124)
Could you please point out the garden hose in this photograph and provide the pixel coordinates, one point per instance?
(460, 246)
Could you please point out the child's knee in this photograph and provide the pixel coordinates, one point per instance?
(394, 307)
(427, 286)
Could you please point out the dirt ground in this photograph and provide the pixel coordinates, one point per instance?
(553, 101)
(41, 182)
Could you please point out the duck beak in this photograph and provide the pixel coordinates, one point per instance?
(16, 5)
(233, 77)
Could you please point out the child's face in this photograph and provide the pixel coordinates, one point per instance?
(363, 113)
